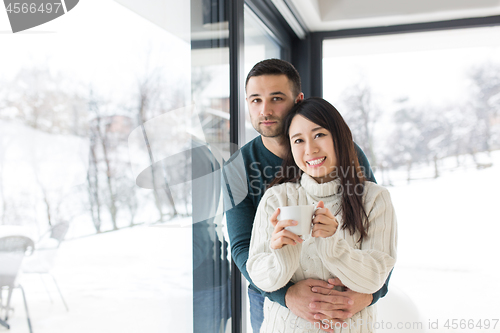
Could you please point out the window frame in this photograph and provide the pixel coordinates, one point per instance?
(317, 38)
(284, 36)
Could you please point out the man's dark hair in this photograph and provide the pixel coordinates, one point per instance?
(277, 67)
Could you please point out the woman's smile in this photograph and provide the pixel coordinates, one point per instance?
(316, 162)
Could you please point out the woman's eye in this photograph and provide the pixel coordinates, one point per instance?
(297, 141)
(319, 135)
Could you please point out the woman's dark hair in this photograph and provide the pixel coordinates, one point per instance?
(348, 170)
(277, 67)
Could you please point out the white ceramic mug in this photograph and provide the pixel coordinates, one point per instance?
(302, 214)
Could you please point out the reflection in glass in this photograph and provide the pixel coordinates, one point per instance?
(210, 93)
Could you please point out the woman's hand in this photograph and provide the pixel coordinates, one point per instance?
(281, 236)
(324, 223)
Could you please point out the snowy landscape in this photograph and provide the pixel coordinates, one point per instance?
(66, 113)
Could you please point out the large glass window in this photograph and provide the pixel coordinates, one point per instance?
(113, 121)
(425, 109)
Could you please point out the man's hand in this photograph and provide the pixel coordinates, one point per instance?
(360, 301)
(316, 306)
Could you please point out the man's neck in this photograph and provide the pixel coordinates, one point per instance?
(274, 145)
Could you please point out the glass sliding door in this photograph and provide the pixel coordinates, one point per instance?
(118, 131)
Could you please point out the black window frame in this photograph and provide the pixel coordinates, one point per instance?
(316, 40)
(272, 19)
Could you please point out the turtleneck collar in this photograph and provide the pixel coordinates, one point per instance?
(320, 190)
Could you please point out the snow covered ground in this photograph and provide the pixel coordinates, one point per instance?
(133, 280)
(139, 279)
(447, 250)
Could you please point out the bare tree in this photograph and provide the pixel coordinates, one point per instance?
(485, 102)
(147, 94)
(126, 197)
(155, 97)
(43, 101)
(104, 151)
(361, 114)
(421, 135)
(93, 183)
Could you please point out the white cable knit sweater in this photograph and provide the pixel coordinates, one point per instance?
(362, 267)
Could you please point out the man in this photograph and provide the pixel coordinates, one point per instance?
(272, 88)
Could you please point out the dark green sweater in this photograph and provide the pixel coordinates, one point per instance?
(246, 175)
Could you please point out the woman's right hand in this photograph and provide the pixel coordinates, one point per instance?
(281, 236)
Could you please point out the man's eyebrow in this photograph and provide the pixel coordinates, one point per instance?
(274, 93)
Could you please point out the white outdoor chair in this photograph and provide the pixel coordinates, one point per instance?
(12, 252)
(43, 258)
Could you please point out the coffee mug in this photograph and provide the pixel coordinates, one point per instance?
(302, 214)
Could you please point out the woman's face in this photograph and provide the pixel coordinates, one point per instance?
(312, 149)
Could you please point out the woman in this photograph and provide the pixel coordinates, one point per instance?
(354, 230)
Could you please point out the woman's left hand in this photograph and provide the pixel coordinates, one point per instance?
(324, 223)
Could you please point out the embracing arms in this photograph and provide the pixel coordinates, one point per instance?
(306, 298)
(363, 270)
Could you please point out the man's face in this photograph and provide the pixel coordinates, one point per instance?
(269, 99)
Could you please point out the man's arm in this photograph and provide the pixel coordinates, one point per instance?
(364, 164)
(239, 227)
(240, 213)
